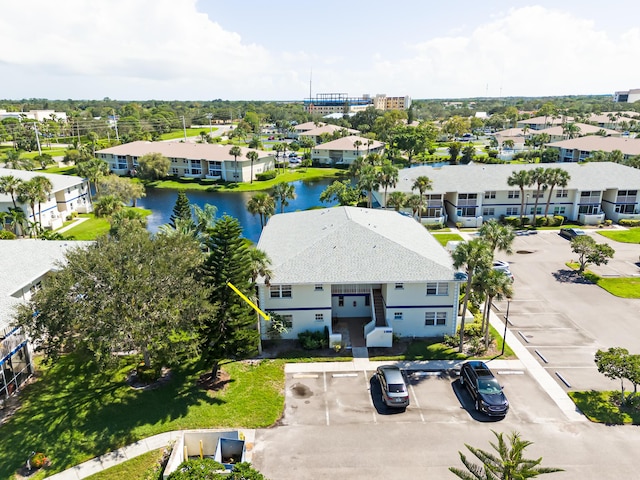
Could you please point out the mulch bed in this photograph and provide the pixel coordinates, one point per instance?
(214, 384)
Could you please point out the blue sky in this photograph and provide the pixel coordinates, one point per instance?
(256, 50)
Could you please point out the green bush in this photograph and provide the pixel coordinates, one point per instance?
(269, 175)
(628, 222)
(146, 374)
(433, 226)
(608, 222)
(197, 469)
(207, 181)
(313, 340)
(7, 235)
(512, 221)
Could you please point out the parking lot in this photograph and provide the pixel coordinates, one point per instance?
(340, 398)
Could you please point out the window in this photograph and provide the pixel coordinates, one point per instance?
(625, 208)
(537, 195)
(559, 210)
(589, 209)
(488, 211)
(319, 317)
(341, 301)
(512, 211)
(287, 321)
(280, 291)
(513, 194)
(435, 318)
(399, 286)
(488, 195)
(437, 288)
(196, 168)
(174, 171)
(318, 287)
(467, 212)
(562, 193)
(397, 315)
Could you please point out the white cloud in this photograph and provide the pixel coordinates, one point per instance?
(167, 49)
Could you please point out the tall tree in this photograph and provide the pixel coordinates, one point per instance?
(495, 284)
(539, 179)
(422, 184)
(589, 251)
(521, 179)
(94, 170)
(283, 192)
(153, 166)
(9, 185)
(454, 151)
(235, 152)
(497, 236)
(13, 159)
(342, 192)
(468, 153)
(43, 190)
(261, 204)
(369, 181)
(555, 176)
(397, 200)
(252, 155)
(471, 256)
(124, 188)
(230, 331)
(139, 291)
(388, 177)
(28, 192)
(181, 209)
(509, 464)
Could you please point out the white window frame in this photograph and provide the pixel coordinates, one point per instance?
(280, 291)
(441, 289)
(435, 319)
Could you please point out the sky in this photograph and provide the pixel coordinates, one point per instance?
(287, 50)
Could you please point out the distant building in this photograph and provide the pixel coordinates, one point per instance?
(345, 150)
(39, 115)
(627, 96)
(194, 160)
(328, 103)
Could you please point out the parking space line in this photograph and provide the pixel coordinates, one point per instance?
(305, 375)
(326, 403)
(342, 375)
(415, 399)
(373, 407)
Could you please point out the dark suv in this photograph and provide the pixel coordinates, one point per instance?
(394, 388)
(484, 388)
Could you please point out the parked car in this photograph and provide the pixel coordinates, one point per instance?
(484, 388)
(570, 233)
(394, 388)
(503, 266)
(295, 160)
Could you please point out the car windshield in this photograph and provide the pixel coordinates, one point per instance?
(488, 386)
(396, 388)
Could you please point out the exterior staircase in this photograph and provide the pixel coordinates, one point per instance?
(378, 305)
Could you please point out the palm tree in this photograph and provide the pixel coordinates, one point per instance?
(13, 159)
(497, 236)
(570, 130)
(28, 193)
(259, 265)
(422, 184)
(44, 188)
(521, 178)
(509, 464)
(9, 184)
(262, 205)
(235, 151)
(539, 178)
(17, 220)
(471, 256)
(397, 200)
(555, 176)
(357, 144)
(388, 177)
(282, 192)
(494, 284)
(369, 181)
(94, 170)
(253, 156)
(414, 202)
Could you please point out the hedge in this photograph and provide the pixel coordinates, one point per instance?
(629, 222)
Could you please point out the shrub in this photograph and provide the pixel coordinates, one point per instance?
(207, 181)
(269, 175)
(433, 226)
(146, 374)
(196, 469)
(39, 460)
(628, 222)
(7, 235)
(310, 340)
(608, 222)
(512, 221)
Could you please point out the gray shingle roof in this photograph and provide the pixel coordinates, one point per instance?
(24, 261)
(479, 177)
(352, 245)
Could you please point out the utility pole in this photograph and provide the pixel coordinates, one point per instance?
(210, 116)
(37, 139)
(184, 128)
(115, 122)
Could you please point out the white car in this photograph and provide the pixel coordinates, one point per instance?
(503, 266)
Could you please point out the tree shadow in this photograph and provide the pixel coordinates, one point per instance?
(571, 276)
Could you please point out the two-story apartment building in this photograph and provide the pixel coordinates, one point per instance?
(68, 194)
(193, 160)
(345, 150)
(377, 266)
(580, 149)
(472, 194)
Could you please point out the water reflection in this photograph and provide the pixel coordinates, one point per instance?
(161, 202)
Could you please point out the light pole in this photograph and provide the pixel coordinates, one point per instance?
(506, 322)
(526, 207)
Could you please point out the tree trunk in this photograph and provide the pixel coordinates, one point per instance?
(146, 358)
(214, 369)
(486, 326)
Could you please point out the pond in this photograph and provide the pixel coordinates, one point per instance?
(161, 202)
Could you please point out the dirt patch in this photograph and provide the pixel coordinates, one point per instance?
(134, 382)
(214, 383)
(300, 390)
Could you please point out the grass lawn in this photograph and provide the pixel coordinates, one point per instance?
(94, 227)
(191, 132)
(623, 287)
(67, 170)
(291, 175)
(134, 469)
(631, 235)
(73, 413)
(443, 238)
(603, 407)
